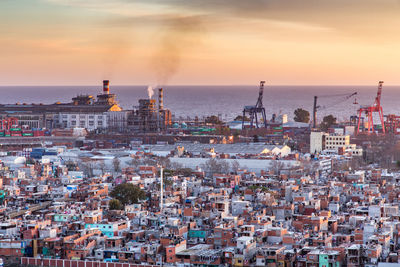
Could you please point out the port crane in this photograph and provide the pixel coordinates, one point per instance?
(392, 123)
(369, 110)
(255, 111)
(316, 107)
(7, 123)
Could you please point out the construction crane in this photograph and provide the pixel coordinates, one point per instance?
(316, 107)
(254, 111)
(369, 110)
(392, 123)
(7, 123)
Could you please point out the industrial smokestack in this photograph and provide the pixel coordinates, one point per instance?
(160, 99)
(106, 87)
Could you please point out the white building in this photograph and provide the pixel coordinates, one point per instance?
(333, 144)
(316, 142)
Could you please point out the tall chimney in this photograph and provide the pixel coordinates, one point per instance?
(160, 99)
(106, 87)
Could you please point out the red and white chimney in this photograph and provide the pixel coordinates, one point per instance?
(106, 87)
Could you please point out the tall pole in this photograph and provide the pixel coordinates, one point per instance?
(315, 112)
(161, 189)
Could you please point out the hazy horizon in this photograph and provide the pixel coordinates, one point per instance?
(226, 100)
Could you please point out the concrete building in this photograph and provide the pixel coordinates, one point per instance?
(317, 140)
(333, 144)
(83, 112)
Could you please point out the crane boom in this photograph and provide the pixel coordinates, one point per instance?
(378, 95)
(260, 95)
(316, 107)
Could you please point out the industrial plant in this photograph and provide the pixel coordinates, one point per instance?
(148, 116)
(101, 113)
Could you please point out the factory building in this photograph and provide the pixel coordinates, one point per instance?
(93, 113)
(83, 112)
(147, 117)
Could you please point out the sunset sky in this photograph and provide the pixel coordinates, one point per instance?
(132, 42)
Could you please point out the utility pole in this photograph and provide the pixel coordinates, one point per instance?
(161, 188)
(315, 112)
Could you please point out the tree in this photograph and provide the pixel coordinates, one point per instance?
(301, 115)
(256, 139)
(115, 204)
(88, 168)
(184, 172)
(102, 167)
(71, 165)
(213, 166)
(240, 118)
(176, 165)
(327, 122)
(213, 120)
(235, 166)
(135, 163)
(128, 193)
(117, 164)
(164, 161)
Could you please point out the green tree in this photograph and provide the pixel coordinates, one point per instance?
(301, 115)
(127, 193)
(184, 171)
(115, 204)
(256, 138)
(240, 118)
(213, 120)
(327, 122)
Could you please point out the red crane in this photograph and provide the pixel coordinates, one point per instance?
(7, 123)
(392, 124)
(369, 110)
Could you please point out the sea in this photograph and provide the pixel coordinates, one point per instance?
(225, 101)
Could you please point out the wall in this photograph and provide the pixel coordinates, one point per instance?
(73, 263)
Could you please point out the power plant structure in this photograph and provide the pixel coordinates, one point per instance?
(84, 111)
(148, 117)
(255, 111)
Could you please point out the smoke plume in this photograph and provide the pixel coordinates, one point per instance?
(150, 91)
(181, 34)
